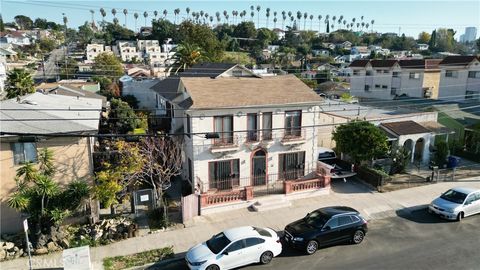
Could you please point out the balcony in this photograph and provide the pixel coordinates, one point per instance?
(292, 136)
(227, 144)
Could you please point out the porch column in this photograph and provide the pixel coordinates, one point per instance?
(412, 157)
(426, 150)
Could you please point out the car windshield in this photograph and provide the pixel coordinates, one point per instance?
(217, 243)
(454, 196)
(262, 232)
(317, 218)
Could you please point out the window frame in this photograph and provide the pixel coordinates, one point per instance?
(267, 131)
(367, 88)
(232, 180)
(289, 173)
(24, 154)
(450, 73)
(188, 125)
(260, 241)
(252, 134)
(293, 131)
(223, 139)
(414, 75)
(476, 74)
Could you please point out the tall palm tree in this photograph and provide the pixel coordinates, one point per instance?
(206, 16)
(267, 14)
(353, 21)
(93, 13)
(145, 15)
(114, 12)
(211, 20)
(258, 16)
(155, 14)
(333, 21)
(135, 16)
(358, 25)
(299, 16)
(125, 12)
(165, 13)
(252, 9)
(344, 23)
(319, 22)
(367, 25)
(305, 16)
(284, 17)
(252, 14)
(292, 19)
(188, 12)
(274, 22)
(311, 22)
(103, 13)
(372, 22)
(176, 12)
(115, 20)
(219, 19)
(225, 14)
(363, 25)
(234, 16)
(241, 15)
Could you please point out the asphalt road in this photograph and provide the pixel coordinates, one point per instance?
(415, 240)
(50, 67)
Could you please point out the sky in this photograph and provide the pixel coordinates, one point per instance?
(408, 17)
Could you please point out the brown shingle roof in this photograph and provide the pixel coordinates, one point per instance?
(405, 127)
(383, 63)
(412, 63)
(248, 91)
(432, 63)
(461, 60)
(359, 63)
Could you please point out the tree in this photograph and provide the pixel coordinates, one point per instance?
(424, 37)
(478, 44)
(400, 157)
(135, 16)
(122, 118)
(107, 64)
(163, 29)
(204, 37)
(361, 141)
(186, 55)
(85, 34)
(125, 12)
(23, 22)
(441, 153)
(2, 24)
(19, 83)
(145, 15)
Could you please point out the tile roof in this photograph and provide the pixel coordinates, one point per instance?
(462, 60)
(383, 63)
(432, 63)
(248, 91)
(405, 127)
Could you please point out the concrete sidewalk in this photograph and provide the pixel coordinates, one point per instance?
(372, 205)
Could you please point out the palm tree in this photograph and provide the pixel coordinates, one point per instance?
(241, 15)
(187, 55)
(103, 13)
(93, 13)
(367, 25)
(327, 25)
(45, 188)
(206, 16)
(125, 12)
(46, 161)
(251, 15)
(363, 25)
(274, 22)
(225, 14)
(165, 12)
(319, 22)
(311, 22)
(114, 12)
(333, 21)
(372, 22)
(115, 20)
(188, 12)
(219, 19)
(176, 12)
(135, 15)
(27, 171)
(344, 23)
(284, 17)
(305, 16)
(361, 18)
(145, 15)
(299, 16)
(268, 15)
(291, 21)
(258, 16)
(211, 20)
(155, 14)
(358, 25)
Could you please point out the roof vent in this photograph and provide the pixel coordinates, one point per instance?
(30, 102)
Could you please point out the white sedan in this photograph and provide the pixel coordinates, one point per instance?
(234, 248)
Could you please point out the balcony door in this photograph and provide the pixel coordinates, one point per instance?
(259, 168)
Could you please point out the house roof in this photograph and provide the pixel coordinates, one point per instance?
(50, 114)
(359, 63)
(72, 91)
(460, 60)
(207, 69)
(405, 127)
(432, 63)
(248, 91)
(383, 63)
(412, 63)
(168, 87)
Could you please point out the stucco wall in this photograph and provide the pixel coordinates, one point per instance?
(72, 161)
(455, 88)
(431, 79)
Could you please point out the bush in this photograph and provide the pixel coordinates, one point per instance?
(372, 176)
(138, 259)
(441, 153)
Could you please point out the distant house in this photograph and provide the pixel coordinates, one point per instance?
(460, 78)
(330, 46)
(273, 48)
(94, 49)
(73, 91)
(15, 38)
(360, 50)
(48, 114)
(127, 50)
(422, 46)
(320, 52)
(280, 33)
(145, 31)
(346, 45)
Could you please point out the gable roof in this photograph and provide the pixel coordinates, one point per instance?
(207, 69)
(359, 63)
(383, 63)
(461, 60)
(248, 91)
(412, 63)
(405, 127)
(72, 91)
(50, 114)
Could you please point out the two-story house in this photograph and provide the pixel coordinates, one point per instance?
(387, 79)
(460, 78)
(35, 121)
(15, 38)
(127, 50)
(245, 135)
(94, 49)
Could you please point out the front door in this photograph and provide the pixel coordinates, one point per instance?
(259, 168)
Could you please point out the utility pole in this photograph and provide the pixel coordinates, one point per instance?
(43, 68)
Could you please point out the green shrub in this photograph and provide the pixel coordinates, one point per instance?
(137, 259)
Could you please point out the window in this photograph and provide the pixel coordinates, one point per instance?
(379, 71)
(355, 219)
(236, 246)
(291, 165)
(237, 73)
(471, 95)
(377, 85)
(293, 123)
(395, 74)
(252, 127)
(451, 73)
(386, 72)
(344, 220)
(474, 74)
(224, 126)
(332, 223)
(384, 86)
(367, 88)
(188, 126)
(267, 126)
(249, 242)
(356, 72)
(414, 75)
(369, 73)
(262, 232)
(393, 91)
(224, 174)
(24, 152)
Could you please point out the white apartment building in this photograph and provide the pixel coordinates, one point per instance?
(460, 78)
(251, 132)
(127, 50)
(93, 50)
(386, 79)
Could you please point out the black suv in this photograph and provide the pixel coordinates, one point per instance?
(326, 226)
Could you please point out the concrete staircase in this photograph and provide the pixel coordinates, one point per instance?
(270, 202)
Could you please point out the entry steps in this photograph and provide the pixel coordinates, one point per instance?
(270, 202)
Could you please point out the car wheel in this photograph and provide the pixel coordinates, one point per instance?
(358, 237)
(213, 267)
(266, 257)
(312, 247)
(460, 216)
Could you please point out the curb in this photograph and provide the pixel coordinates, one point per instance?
(177, 257)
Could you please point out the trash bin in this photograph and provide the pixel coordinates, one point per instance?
(453, 162)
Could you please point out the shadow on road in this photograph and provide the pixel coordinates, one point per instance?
(419, 214)
(349, 185)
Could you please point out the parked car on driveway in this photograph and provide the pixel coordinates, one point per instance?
(456, 203)
(234, 248)
(326, 226)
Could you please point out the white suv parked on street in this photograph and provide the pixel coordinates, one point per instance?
(234, 248)
(456, 203)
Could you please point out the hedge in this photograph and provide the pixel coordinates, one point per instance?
(374, 177)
